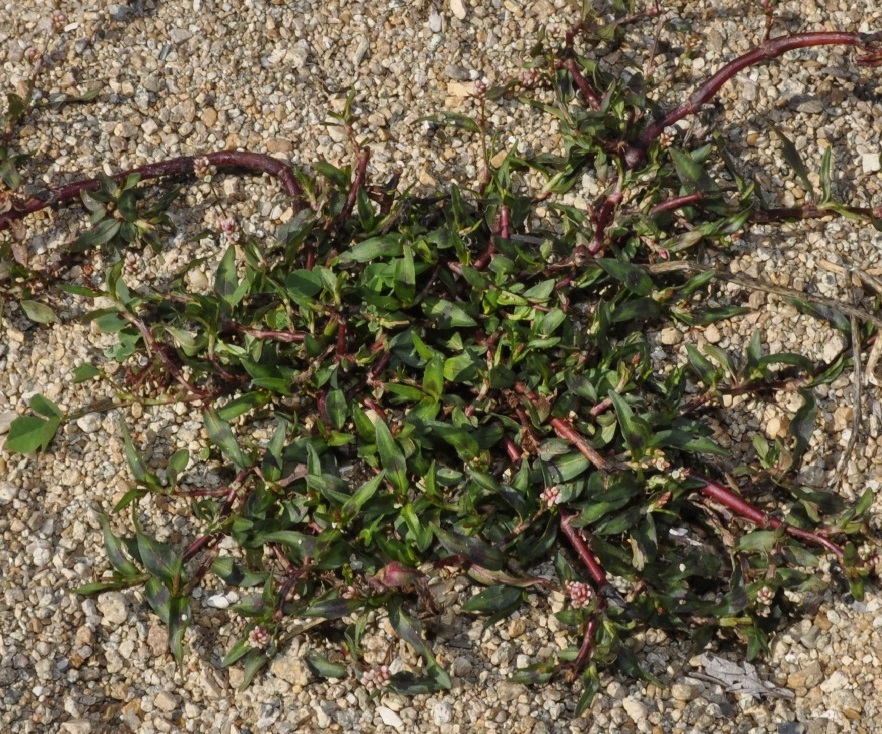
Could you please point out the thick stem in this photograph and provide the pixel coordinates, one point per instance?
(746, 510)
(771, 49)
(182, 166)
(582, 83)
(565, 430)
(592, 565)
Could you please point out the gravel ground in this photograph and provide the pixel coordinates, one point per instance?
(186, 76)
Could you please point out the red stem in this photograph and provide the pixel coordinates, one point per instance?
(584, 87)
(771, 49)
(585, 555)
(181, 166)
(565, 430)
(746, 510)
(364, 157)
(675, 203)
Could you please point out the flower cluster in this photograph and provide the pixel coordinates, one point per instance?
(551, 496)
(230, 230)
(203, 170)
(580, 593)
(764, 598)
(258, 637)
(57, 20)
(666, 139)
(529, 78)
(375, 678)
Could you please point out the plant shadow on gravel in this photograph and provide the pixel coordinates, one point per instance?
(451, 382)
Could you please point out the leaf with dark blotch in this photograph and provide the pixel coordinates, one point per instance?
(333, 607)
(160, 559)
(803, 424)
(633, 277)
(115, 554)
(321, 666)
(474, 549)
(494, 599)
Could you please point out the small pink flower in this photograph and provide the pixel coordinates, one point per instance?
(57, 21)
(230, 230)
(350, 592)
(764, 598)
(580, 593)
(203, 169)
(551, 496)
(375, 678)
(258, 637)
(32, 54)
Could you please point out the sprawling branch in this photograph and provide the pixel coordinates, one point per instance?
(727, 498)
(771, 49)
(224, 160)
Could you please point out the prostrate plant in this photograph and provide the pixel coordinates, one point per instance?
(449, 385)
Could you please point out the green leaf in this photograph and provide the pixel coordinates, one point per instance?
(691, 172)
(101, 234)
(321, 666)
(38, 312)
(28, 434)
(180, 617)
(376, 248)
(794, 160)
(225, 279)
(45, 407)
(85, 372)
(220, 434)
(448, 315)
(118, 559)
(494, 599)
(391, 457)
(177, 463)
(363, 494)
(633, 277)
(133, 458)
(826, 177)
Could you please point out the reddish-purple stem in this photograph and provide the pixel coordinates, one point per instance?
(603, 219)
(771, 49)
(810, 211)
(364, 157)
(181, 166)
(746, 510)
(483, 259)
(592, 565)
(675, 203)
(585, 88)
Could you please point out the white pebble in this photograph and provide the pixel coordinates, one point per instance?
(871, 162)
(389, 717)
(218, 601)
(457, 7)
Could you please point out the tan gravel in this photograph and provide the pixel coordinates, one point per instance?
(186, 76)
